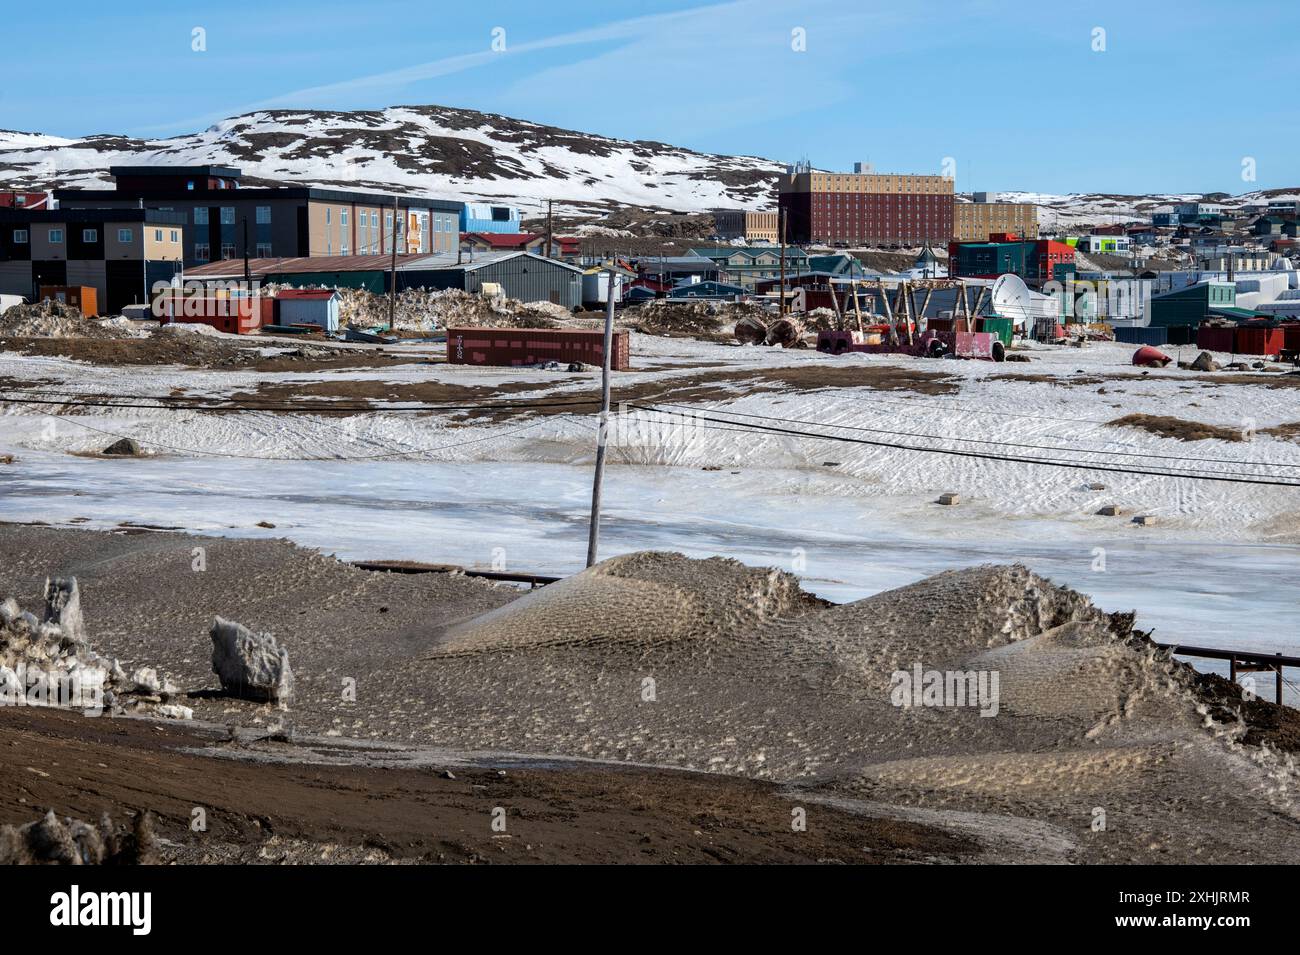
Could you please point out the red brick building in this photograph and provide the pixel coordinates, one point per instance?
(866, 208)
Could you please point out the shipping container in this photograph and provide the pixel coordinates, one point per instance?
(83, 298)
(1216, 337)
(529, 346)
(1001, 327)
(1291, 336)
(234, 315)
(1259, 339)
(1155, 336)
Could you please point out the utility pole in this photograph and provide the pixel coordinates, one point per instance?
(392, 275)
(248, 275)
(602, 434)
(781, 216)
(550, 230)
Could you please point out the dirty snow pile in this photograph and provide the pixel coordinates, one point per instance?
(425, 310)
(987, 690)
(250, 665)
(666, 316)
(49, 662)
(52, 319)
(68, 841)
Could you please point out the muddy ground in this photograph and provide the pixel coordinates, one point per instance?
(581, 393)
(761, 695)
(196, 350)
(263, 805)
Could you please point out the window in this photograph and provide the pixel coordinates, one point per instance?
(343, 217)
(201, 215)
(56, 236)
(227, 215)
(263, 215)
(20, 200)
(175, 235)
(437, 223)
(264, 250)
(201, 251)
(20, 236)
(157, 235)
(123, 235)
(190, 185)
(328, 213)
(374, 220)
(343, 249)
(89, 235)
(227, 250)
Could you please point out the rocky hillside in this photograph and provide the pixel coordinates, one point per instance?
(434, 150)
(461, 153)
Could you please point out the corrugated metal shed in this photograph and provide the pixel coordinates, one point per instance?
(309, 307)
(522, 275)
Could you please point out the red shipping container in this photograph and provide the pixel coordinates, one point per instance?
(529, 346)
(234, 315)
(1259, 340)
(1216, 338)
(1291, 337)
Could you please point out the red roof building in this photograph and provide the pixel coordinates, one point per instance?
(24, 200)
(503, 242)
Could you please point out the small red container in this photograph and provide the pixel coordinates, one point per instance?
(1221, 338)
(1259, 340)
(235, 316)
(529, 346)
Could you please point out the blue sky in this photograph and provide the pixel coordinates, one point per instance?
(1013, 93)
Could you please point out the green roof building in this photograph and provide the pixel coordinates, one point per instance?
(1191, 305)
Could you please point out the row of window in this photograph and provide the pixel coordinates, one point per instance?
(55, 236)
(203, 251)
(262, 214)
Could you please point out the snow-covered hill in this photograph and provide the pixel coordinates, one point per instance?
(432, 150)
(464, 154)
(1070, 213)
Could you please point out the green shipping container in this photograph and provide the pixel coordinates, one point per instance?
(1000, 327)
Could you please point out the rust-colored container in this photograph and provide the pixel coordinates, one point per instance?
(1216, 338)
(529, 346)
(1291, 336)
(1260, 340)
(84, 298)
(233, 315)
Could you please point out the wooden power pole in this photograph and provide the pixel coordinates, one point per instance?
(602, 434)
(781, 218)
(392, 275)
(550, 229)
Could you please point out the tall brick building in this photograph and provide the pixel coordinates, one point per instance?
(865, 207)
(986, 216)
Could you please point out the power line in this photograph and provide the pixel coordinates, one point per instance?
(956, 452)
(165, 403)
(1004, 444)
(261, 457)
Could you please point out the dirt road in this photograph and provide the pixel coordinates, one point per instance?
(274, 812)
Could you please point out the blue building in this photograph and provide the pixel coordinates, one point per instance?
(483, 217)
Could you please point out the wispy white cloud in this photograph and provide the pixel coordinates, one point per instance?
(393, 82)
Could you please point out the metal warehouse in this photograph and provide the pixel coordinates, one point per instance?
(521, 275)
